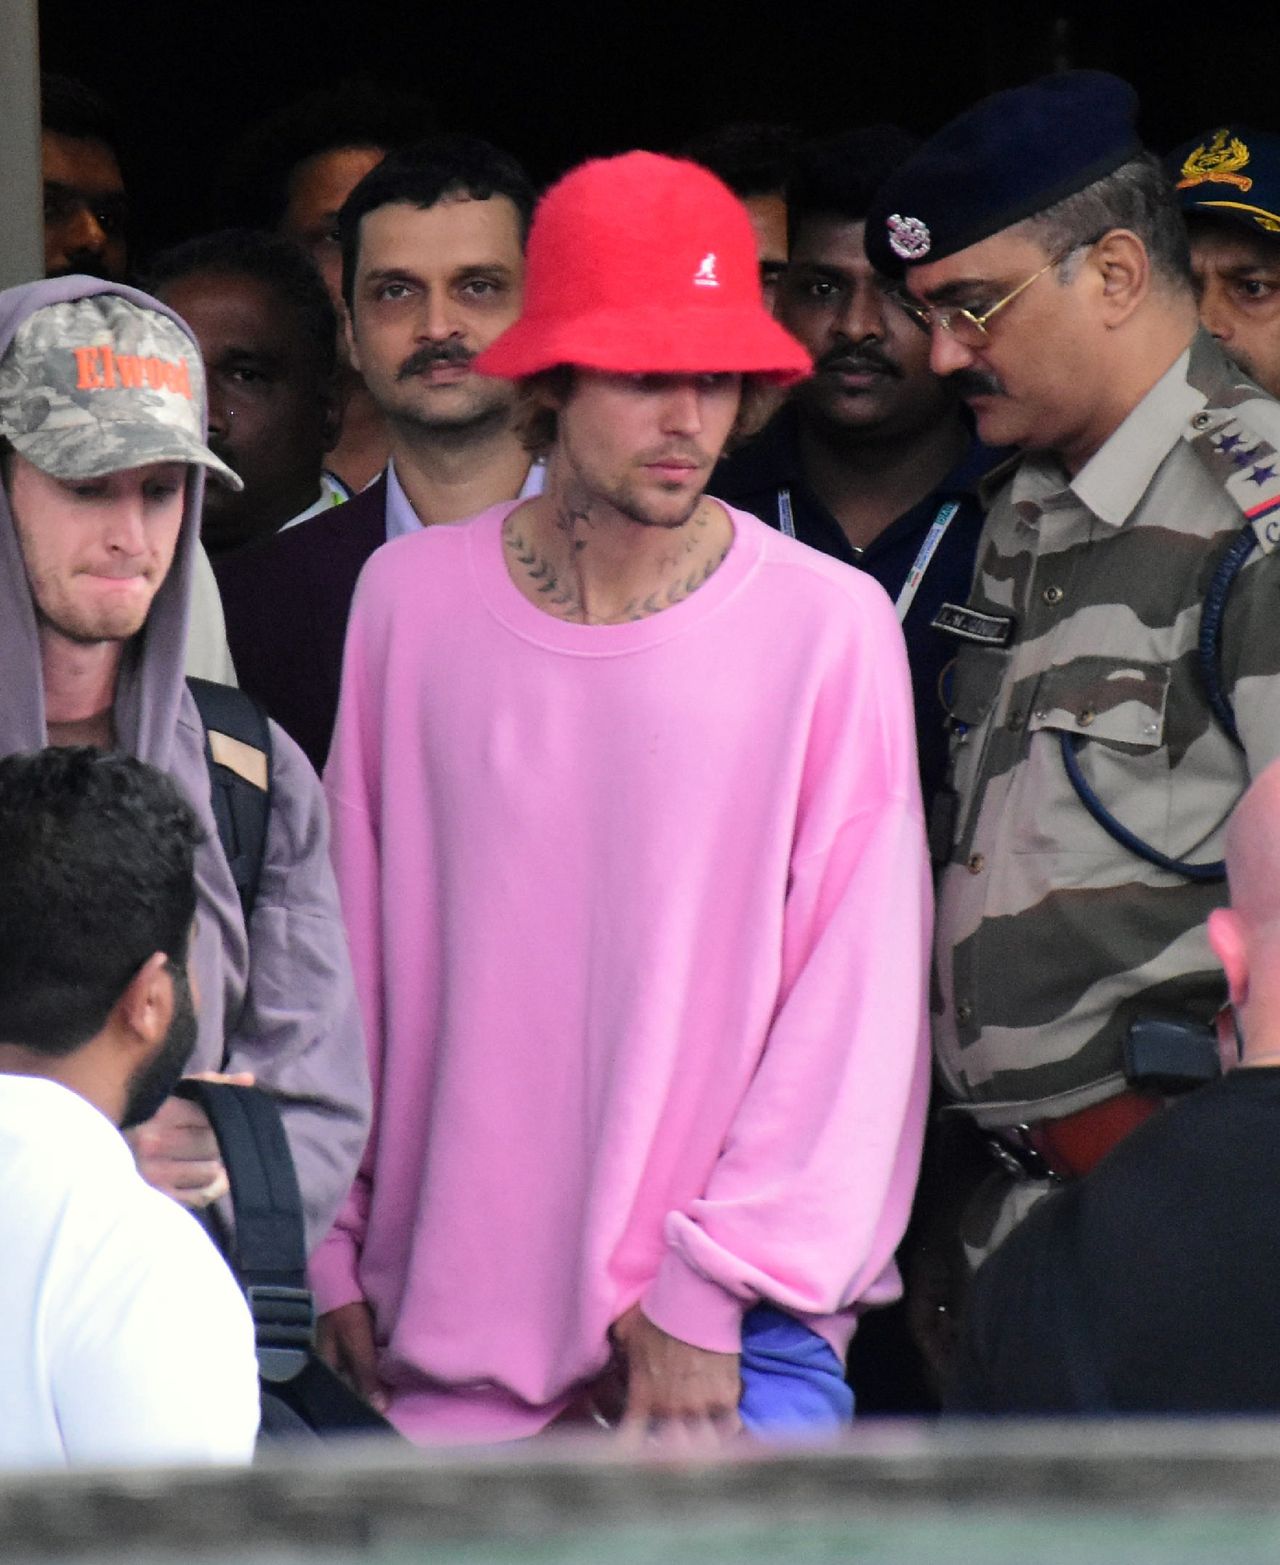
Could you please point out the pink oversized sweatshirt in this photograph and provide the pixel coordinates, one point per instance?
(640, 918)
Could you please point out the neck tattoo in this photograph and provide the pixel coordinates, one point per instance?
(556, 584)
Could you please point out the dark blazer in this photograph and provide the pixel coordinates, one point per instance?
(286, 600)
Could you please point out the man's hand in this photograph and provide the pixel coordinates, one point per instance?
(344, 1339)
(677, 1394)
(177, 1151)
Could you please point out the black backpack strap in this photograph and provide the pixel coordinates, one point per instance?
(269, 1248)
(237, 748)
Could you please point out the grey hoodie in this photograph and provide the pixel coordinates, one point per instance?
(281, 1002)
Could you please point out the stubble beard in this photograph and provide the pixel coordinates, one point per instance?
(626, 495)
(478, 417)
(627, 502)
(467, 410)
(627, 498)
(83, 630)
(153, 1082)
(56, 608)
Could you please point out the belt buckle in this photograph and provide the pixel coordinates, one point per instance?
(1012, 1149)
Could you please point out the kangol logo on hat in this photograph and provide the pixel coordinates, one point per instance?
(705, 276)
(909, 237)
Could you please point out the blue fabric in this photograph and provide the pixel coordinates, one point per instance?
(1010, 155)
(1213, 170)
(792, 1382)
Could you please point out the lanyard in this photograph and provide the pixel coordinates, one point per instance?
(943, 520)
(786, 521)
(935, 535)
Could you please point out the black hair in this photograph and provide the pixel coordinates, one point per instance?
(255, 183)
(753, 160)
(424, 174)
(69, 108)
(278, 263)
(98, 874)
(840, 175)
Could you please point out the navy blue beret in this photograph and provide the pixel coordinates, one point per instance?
(1010, 156)
(1233, 174)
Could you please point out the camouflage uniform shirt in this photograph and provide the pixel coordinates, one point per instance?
(1052, 937)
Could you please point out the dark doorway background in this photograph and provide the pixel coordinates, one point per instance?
(563, 79)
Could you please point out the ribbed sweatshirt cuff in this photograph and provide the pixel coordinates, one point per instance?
(684, 1304)
(332, 1271)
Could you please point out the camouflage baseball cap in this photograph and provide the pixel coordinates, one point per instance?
(93, 386)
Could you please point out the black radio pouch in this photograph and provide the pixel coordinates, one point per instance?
(1170, 1056)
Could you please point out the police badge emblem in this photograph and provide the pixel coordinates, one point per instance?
(909, 238)
(1218, 161)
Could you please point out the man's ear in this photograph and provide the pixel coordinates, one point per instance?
(1226, 936)
(1123, 267)
(147, 1004)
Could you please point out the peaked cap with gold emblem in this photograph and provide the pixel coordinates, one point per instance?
(1231, 174)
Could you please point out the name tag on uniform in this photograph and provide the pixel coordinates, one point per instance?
(988, 630)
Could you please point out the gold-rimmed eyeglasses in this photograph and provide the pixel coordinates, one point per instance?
(966, 327)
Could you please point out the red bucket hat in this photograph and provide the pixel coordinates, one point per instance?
(644, 264)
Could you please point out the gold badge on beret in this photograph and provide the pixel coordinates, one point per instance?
(1219, 159)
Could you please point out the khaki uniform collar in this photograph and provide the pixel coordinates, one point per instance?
(1114, 480)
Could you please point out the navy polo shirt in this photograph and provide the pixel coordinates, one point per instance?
(753, 479)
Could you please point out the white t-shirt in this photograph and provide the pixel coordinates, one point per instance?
(123, 1334)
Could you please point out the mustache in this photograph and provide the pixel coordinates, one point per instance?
(433, 354)
(866, 359)
(977, 383)
(678, 453)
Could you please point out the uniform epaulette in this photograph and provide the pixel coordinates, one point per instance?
(1242, 461)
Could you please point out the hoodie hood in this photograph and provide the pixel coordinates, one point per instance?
(151, 677)
(155, 716)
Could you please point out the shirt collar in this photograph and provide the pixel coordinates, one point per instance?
(1114, 479)
(402, 519)
(332, 492)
